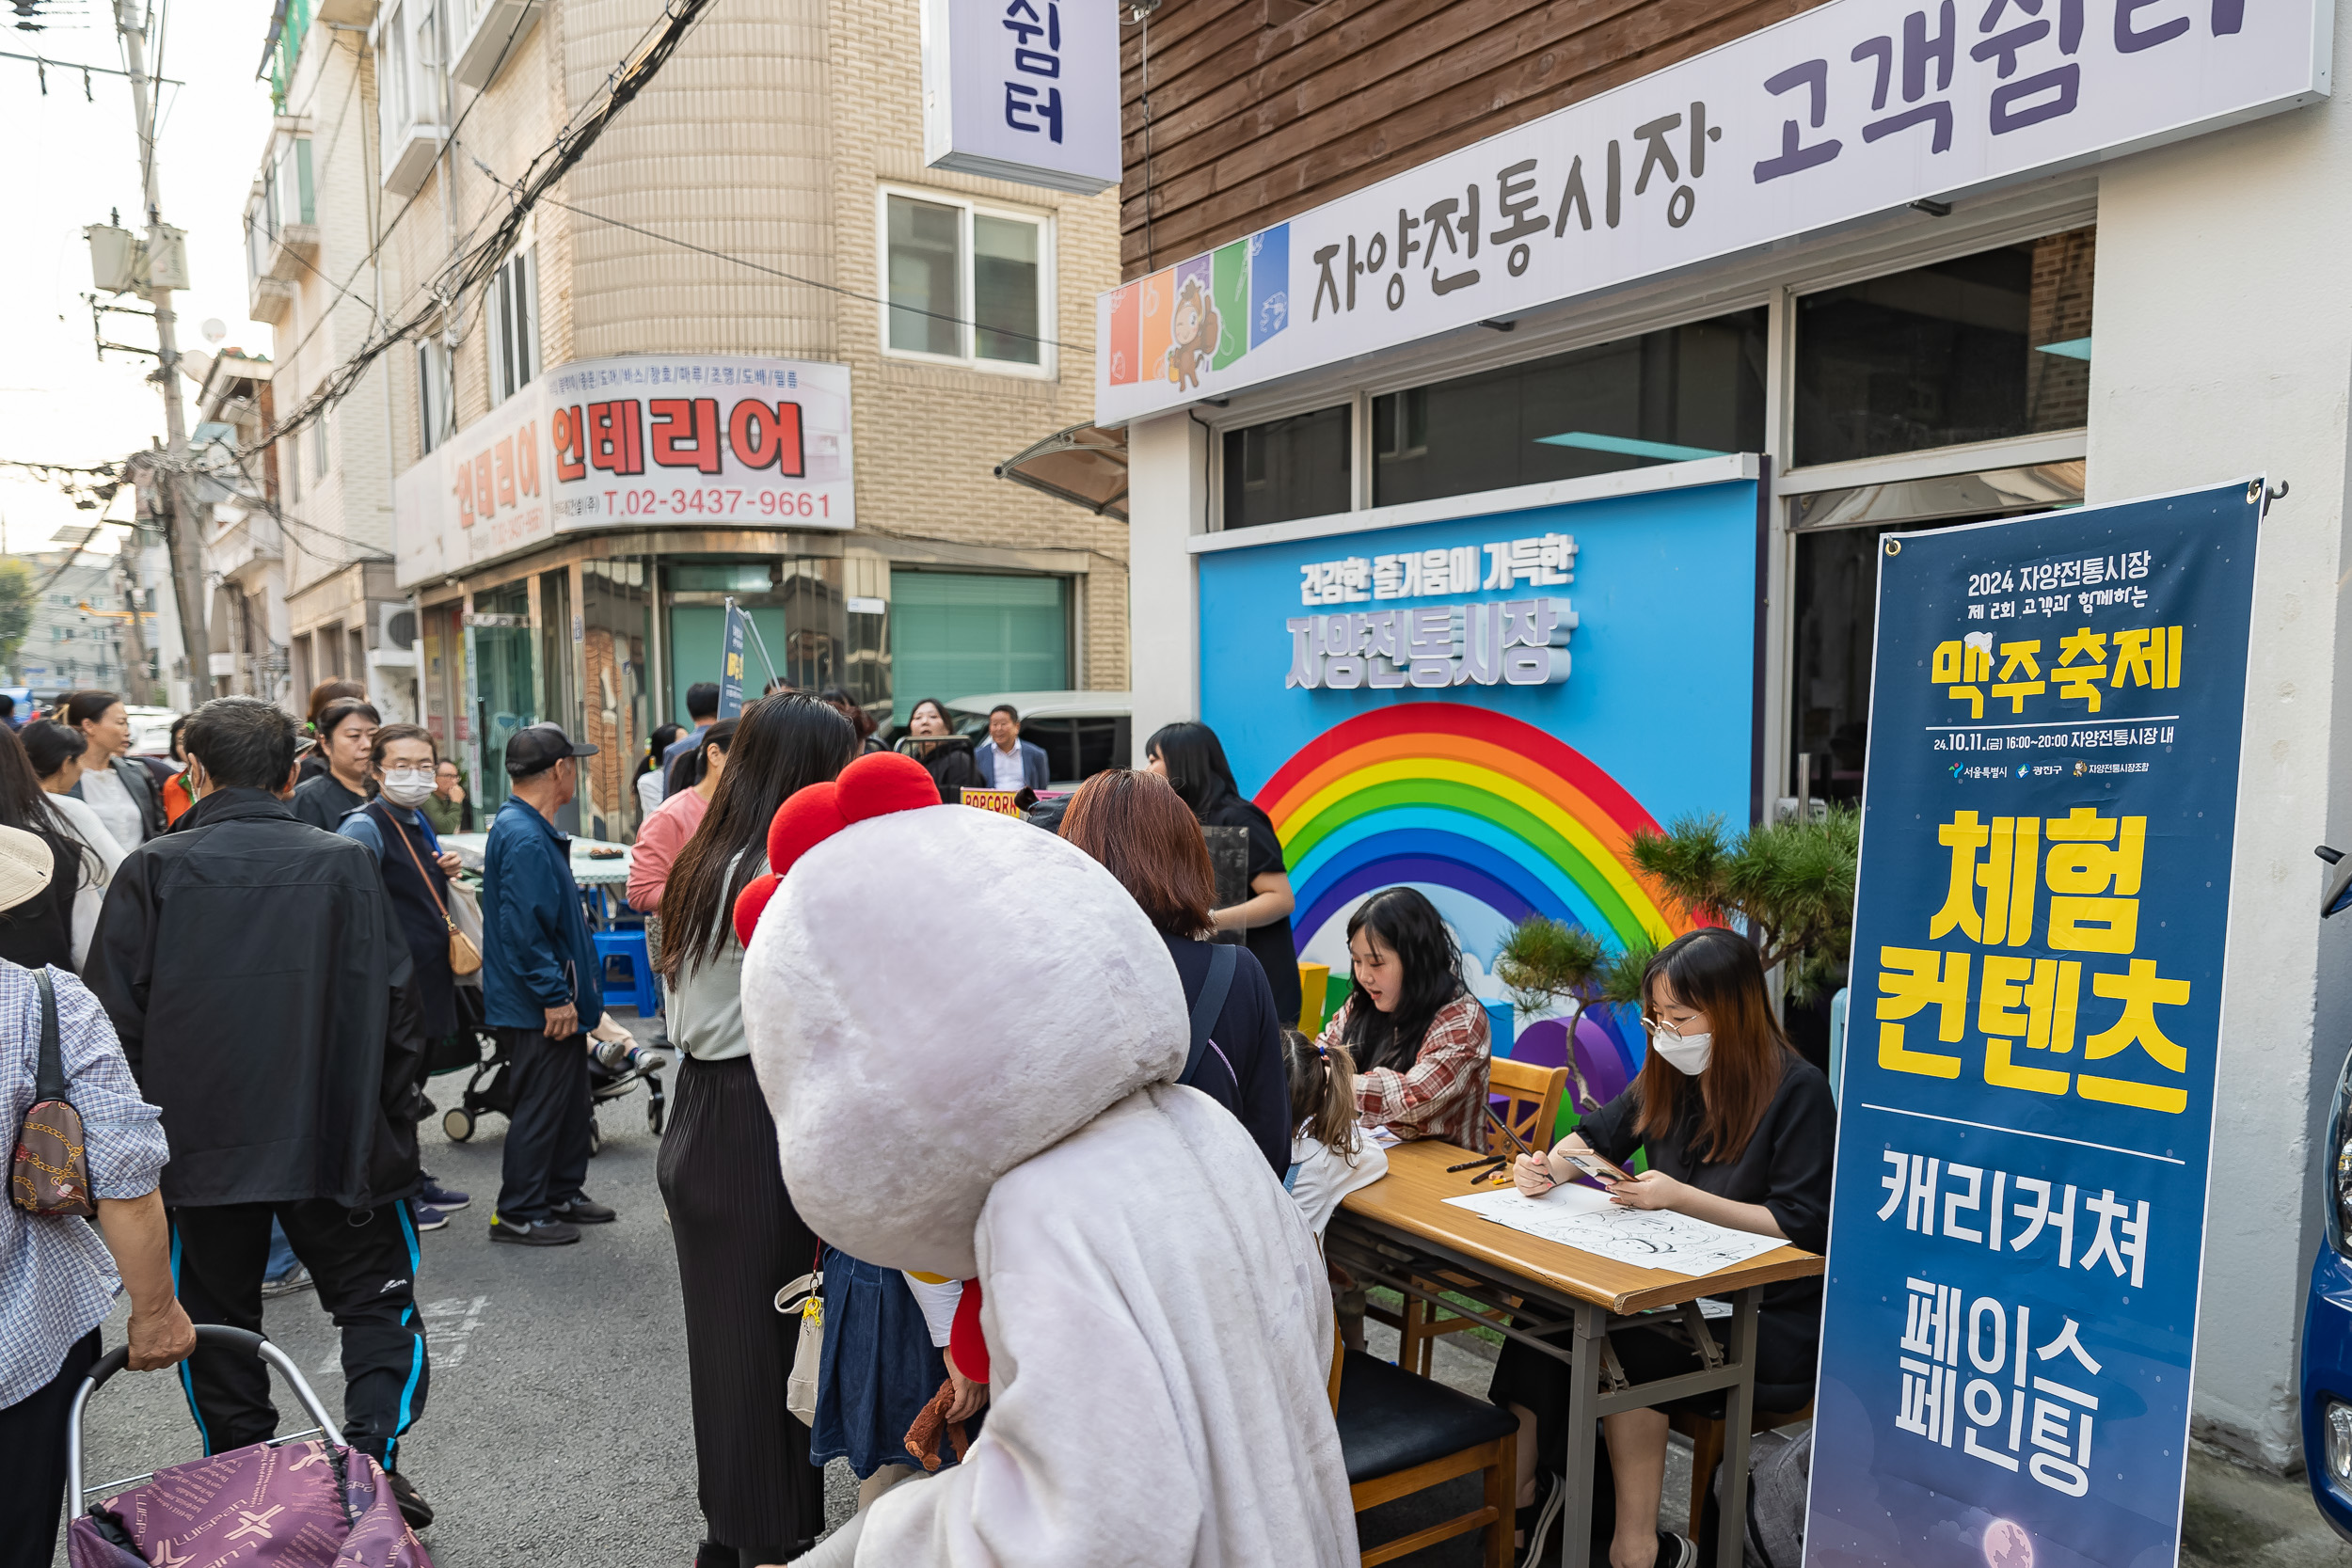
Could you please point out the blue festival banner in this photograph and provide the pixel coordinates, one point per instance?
(731, 663)
(2026, 1111)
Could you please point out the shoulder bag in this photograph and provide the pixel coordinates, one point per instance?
(50, 1175)
(1223, 959)
(464, 957)
(803, 1298)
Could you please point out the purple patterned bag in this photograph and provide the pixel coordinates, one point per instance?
(306, 1505)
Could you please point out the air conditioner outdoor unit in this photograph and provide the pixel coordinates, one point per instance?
(395, 638)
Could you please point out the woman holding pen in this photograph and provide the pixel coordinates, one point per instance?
(1740, 1132)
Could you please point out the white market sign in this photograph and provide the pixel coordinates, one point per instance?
(641, 442)
(1026, 91)
(1855, 107)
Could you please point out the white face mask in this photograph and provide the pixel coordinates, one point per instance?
(407, 787)
(1686, 1053)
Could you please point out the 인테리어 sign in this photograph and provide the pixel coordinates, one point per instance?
(643, 441)
(2026, 1112)
(1854, 107)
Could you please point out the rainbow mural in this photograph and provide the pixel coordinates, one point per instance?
(1451, 795)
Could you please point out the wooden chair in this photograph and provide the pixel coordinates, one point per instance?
(1706, 1433)
(1400, 1434)
(1530, 1110)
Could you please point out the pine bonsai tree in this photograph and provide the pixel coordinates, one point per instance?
(1791, 884)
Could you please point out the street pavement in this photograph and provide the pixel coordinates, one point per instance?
(558, 1431)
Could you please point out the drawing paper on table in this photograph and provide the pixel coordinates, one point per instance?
(1645, 1237)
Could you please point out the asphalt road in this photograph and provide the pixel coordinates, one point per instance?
(557, 1432)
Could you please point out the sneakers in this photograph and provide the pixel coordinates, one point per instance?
(545, 1233)
(581, 1212)
(1538, 1520)
(413, 1508)
(448, 1199)
(1676, 1551)
(425, 1216)
(291, 1282)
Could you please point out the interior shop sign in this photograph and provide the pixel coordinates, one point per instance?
(1024, 90)
(1852, 108)
(1510, 642)
(643, 441)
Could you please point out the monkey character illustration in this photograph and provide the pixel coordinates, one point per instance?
(1193, 333)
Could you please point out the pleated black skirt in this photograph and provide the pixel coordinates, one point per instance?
(739, 1242)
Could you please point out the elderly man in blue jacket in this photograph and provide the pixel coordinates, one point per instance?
(540, 994)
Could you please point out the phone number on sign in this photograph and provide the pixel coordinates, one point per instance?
(717, 503)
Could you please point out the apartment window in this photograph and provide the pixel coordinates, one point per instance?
(513, 319)
(434, 403)
(1979, 348)
(290, 465)
(967, 283)
(288, 196)
(318, 448)
(1689, 391)
(1286, 468)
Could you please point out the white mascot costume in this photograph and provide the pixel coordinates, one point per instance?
(969, 1036)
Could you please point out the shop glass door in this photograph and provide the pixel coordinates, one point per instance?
(506, 692)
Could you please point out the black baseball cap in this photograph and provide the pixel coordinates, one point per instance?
(538, 748)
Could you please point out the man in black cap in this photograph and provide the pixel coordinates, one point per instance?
(540, 994)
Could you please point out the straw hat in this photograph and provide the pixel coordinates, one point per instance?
(25, 866)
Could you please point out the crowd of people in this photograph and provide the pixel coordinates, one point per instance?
(256, 960)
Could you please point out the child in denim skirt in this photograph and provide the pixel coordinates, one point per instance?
(885, 1338)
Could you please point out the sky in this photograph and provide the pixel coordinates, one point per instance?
(76, 159)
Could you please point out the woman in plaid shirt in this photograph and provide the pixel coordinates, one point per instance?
(1421, 1035)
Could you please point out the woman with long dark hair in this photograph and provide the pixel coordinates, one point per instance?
(1419, 1038)
(739, 1241)
(56, 755)
(947, 757)
(1135, 825)
(40, 929)
(1738, 1130)
(114, 784)
(1190, 757)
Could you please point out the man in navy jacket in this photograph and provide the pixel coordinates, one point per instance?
(540, 994)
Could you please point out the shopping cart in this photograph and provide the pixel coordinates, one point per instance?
(305, 1500)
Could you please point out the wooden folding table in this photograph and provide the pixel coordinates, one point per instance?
(1400, 1232)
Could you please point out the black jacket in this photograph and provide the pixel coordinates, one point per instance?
(260, 984)
(953, 767)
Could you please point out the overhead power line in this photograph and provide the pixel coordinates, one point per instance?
(630, 78)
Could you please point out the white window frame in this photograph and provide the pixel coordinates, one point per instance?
(321, 464)
(1047, 366)
(518, 274)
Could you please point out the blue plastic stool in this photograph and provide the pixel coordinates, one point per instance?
(630, 945)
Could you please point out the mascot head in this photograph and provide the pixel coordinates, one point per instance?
(934, 994)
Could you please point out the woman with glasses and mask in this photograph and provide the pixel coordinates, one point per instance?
(1738, 1130)
(402, 761)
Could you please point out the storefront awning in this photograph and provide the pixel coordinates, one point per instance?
(1085, 466)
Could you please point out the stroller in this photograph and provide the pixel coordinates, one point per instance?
(306, 1500)
(486, 1088)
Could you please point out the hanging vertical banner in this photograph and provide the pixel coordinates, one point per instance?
(1023, 90)
(2026, 1112)
(731, 663)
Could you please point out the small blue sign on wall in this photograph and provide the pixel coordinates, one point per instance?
(2026, 1115)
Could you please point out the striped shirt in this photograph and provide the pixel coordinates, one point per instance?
(1443, 1094)
(57, 1281)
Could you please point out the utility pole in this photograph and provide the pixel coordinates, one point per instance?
(179, 523)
